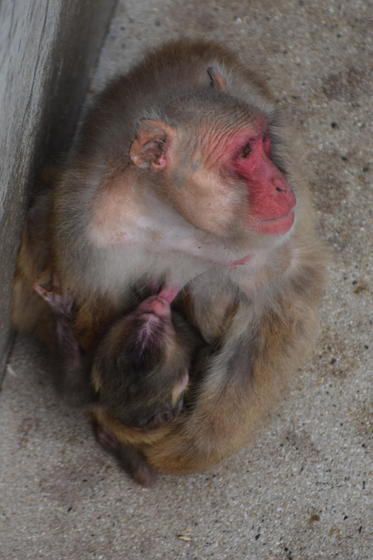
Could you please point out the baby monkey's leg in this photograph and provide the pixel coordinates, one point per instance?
(73, 378)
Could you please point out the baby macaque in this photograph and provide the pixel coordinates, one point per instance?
(141, 368)
(139, 372)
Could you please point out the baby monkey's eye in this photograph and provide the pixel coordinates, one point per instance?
(267, 144)
(164, 416)
(246, 150)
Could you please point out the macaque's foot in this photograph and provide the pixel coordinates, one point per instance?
(61, 304)
(129, 458)
(144, 474)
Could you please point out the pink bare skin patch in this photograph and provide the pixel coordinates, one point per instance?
(271, 199)
(169, 293)
(118, 237)
(157, 305)
(152, 311)
(242, 261)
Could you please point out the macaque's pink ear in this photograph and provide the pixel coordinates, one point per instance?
(149, 148)
(216, 79)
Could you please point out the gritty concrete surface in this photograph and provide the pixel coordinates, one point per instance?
(302, 492)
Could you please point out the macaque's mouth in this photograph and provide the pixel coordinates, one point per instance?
(280, 218)
(155, 306)
(275, 226)
(150, 330)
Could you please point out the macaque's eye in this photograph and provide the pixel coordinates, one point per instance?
(267, 144)
(163, 417)
(246, 150)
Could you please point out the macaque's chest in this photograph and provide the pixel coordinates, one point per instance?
(137, 241)
(124, 217)
(135, 237)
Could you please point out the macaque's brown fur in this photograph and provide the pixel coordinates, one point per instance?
(30, 312)
(162, 188)
(149, 375)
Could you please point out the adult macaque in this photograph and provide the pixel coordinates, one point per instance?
(184, 175)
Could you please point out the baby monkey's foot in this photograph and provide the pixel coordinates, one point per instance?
(129, 458)
(61, 304)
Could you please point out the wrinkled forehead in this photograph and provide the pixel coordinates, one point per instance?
(216, 135)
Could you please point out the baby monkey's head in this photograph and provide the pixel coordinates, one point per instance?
(141, 369)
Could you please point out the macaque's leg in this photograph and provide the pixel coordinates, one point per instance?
(73, 380)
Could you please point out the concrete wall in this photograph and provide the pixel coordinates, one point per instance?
(48, 50)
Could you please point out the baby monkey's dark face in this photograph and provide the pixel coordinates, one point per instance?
(141, 369)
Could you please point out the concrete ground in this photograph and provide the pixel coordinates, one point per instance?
(300, 493)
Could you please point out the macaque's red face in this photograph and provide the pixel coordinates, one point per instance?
(223, 180)
(270, 198)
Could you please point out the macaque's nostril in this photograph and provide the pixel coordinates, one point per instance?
(280, 187)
